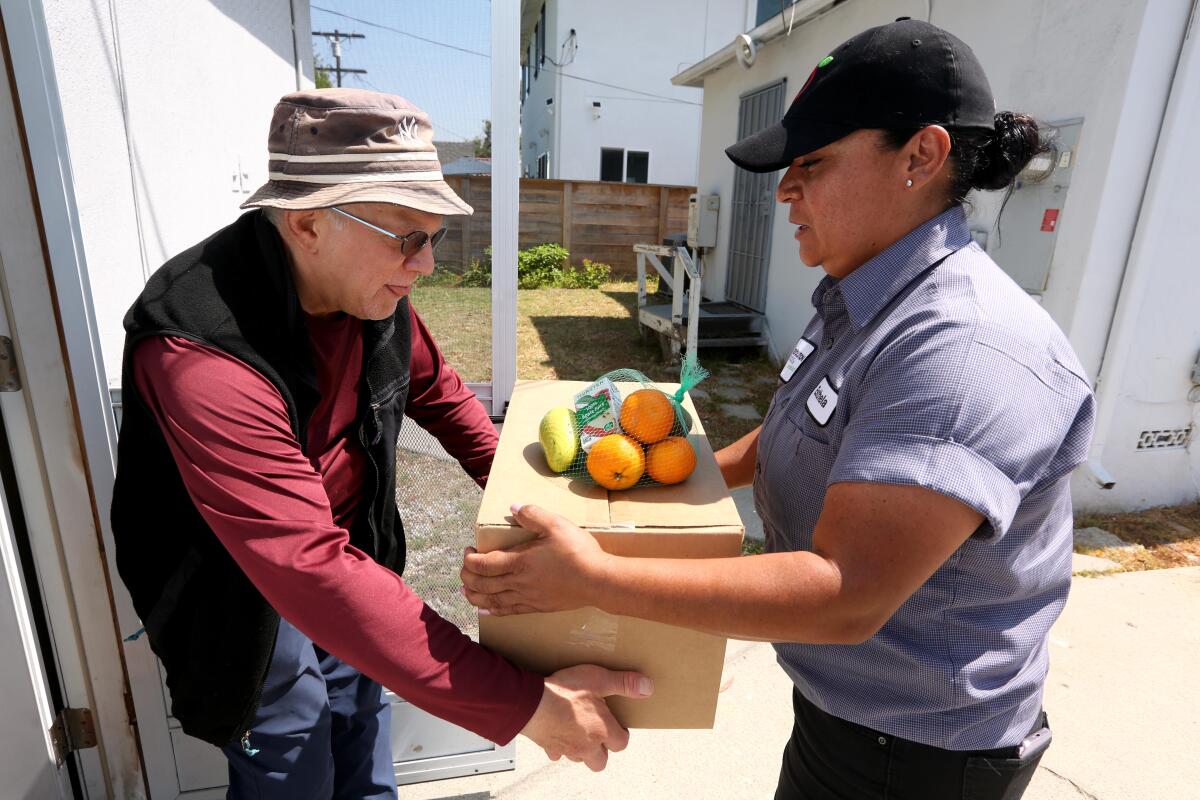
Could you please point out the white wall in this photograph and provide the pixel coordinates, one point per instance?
(200, 80)
(1110, 63)
(628, 44)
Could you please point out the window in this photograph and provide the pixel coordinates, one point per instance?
(524, 81)
(539, 36)
(637, 166)
(619, 166)
(767, 9)
(612, 164)
(537, 61)
(543, 166)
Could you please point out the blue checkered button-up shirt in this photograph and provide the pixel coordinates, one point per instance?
(928, 366)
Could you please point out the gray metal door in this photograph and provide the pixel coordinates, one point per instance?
(753, 206)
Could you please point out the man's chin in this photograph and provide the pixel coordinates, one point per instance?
(379, 311)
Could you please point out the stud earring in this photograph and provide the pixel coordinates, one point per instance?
(908, 183)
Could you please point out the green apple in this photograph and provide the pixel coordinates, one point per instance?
(558, 438)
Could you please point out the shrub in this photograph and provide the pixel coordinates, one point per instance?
(479, 273)
(594, 274)
(540, 266)
(590, 276)
(443, 275)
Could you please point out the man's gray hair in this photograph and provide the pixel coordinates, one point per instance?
(274, 216)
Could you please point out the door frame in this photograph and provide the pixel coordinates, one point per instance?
(28, 751)
(506, 198)
(65, 454)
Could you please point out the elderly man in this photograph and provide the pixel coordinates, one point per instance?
(266, 373)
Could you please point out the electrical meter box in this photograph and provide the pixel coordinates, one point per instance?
(1022, 242)
(702, 220)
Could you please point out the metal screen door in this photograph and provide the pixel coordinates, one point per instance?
(753, 205)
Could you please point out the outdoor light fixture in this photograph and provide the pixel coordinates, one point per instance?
(550, 106)
(595, 109)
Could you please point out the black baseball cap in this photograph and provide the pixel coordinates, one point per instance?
(906, 74)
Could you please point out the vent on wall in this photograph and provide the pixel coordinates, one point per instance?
(1166, 439)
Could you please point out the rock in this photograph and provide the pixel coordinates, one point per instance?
(732, 392)
(740, 411)
(1098, 538)
(1082, 563)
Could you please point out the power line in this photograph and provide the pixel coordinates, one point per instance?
(488, 56)
(624, 88)
(402, 33)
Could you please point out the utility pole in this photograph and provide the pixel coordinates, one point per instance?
(335, 41)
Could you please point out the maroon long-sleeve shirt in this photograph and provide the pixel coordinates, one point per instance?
(284, 512)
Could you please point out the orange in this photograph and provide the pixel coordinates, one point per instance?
(671, 460)
(616, 462)
(647, 415)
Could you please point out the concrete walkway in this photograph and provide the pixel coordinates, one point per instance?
(1123, 699)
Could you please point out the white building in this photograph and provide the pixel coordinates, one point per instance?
(596, 81)
(1107, 242)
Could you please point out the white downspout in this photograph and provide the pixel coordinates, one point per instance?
(1181, 103)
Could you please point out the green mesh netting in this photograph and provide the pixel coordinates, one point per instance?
(623, 431)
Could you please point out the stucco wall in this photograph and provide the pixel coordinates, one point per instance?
(1110, 63)
(199, 79)
(627, 44)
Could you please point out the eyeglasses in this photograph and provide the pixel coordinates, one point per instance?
(410, 243)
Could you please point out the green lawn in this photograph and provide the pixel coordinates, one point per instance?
(579, 334)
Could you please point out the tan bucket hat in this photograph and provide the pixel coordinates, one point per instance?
(332, 146)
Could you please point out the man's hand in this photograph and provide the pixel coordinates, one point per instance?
(572, 718)
(558, 570)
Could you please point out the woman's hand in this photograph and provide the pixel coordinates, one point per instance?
(560, 569)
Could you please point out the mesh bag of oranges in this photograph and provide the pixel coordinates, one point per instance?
(623, 431)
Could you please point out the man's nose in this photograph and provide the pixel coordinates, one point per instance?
(422, 262)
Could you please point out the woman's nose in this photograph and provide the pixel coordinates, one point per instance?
(788, 188)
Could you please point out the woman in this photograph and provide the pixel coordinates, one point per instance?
(912, 473)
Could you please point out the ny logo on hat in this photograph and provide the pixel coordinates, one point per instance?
(406, 128)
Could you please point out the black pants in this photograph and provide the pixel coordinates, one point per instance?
(828, 758)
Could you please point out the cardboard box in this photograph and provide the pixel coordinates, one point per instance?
(693, 519)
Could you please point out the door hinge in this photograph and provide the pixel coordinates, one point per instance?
(73, 729)
(10, 379)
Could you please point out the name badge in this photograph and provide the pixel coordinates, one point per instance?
(801, 351)
(822, 402)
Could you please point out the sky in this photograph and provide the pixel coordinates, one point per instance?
(452, 86)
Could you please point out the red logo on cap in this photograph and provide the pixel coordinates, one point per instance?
(807, 83)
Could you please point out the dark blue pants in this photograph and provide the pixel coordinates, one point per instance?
(323, 731)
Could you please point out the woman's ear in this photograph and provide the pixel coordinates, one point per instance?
(926, 154)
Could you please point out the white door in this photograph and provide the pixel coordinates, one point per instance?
(27, 760)
(26, 755)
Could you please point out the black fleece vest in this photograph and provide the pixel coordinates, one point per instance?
(212, 630)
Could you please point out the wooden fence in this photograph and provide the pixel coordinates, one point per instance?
(591, 219)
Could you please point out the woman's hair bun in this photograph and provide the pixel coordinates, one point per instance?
(1006, 152)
